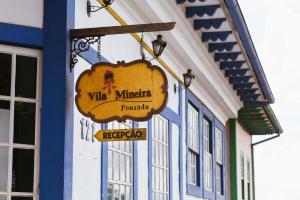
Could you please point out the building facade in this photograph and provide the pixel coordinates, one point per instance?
(199, 147)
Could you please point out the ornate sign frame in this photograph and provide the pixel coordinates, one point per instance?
(151, 111)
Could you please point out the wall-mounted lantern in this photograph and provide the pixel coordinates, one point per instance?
(158, 46)
(188, 77)
(90, 8)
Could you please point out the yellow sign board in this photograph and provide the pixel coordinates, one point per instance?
(121, 91)
(122, 135)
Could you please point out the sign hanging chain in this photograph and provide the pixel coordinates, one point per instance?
(99, 49)
(142, 47)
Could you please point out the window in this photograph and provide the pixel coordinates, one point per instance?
(206, 160)
(207, 139)
(219, 161)
(19, 123)
(160, 159)
(120, 162)
(242, 175)
(194, 149)
(248, 180)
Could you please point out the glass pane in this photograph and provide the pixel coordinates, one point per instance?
(3, 168)
(128, 193)
(122, 146)
(110, 192)
(110, 165)
(26, 77)
(23, 170)
(128, 179)
(122, 192)
(5, 74)
(21, 198)
(24, 123)
(122, 167)
(4, 121)
(117, 192)
(116, 166)
(3, 197)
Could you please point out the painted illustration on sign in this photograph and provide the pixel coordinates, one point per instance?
(121, 91)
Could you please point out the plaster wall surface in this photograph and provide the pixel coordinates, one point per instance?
(27, 13)
(243, 141)
(87, 155)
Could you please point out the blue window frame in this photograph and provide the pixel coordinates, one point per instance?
(211, 160)
(220, 160)
(170, 117)
(129, 187)
(208, 140)
(194, 188)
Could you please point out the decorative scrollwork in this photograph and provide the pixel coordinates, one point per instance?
(80, 45)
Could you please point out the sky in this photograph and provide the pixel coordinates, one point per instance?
(275, 29)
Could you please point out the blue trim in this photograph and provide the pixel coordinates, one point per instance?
(221, 46)
(200, 11)
(220, 126)
(209, 116)
(200, 191)
(241, 86)
(191, 1)
(235, 72)
(104, 169)
(170, 114)
(227, 56)
(196, 191)
(172, 117)
(231, 64)
(135, 166)
(21, 35)
(239, 79)
(150, 159)
(241, 26)
(214, 36)
(180, 144)
(56, 139)
(208, 23)
(170, 159)
(91, 56)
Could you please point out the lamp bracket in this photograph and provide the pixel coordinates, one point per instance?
(79, 45)
(81, 39)
(91, 8)
(178, 88)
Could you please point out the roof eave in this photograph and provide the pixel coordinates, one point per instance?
(241, 26)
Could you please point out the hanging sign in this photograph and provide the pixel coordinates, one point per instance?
(121, 91)
(122, 135)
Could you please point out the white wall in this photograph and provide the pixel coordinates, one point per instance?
(142, 147)
(86, 156)
(243, 147)
(175, 161)
(86, 171)
(25, 12)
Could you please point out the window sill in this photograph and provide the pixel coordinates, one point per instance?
(195, 191)
(209, 194)
(220, 197)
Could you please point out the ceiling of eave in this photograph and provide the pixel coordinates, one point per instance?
(210, 23)
(259, 121)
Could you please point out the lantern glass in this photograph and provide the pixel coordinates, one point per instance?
(158, 46)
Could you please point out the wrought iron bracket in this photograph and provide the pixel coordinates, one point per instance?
(82, 39)
(79, 45)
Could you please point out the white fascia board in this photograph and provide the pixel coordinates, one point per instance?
(186, 50)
